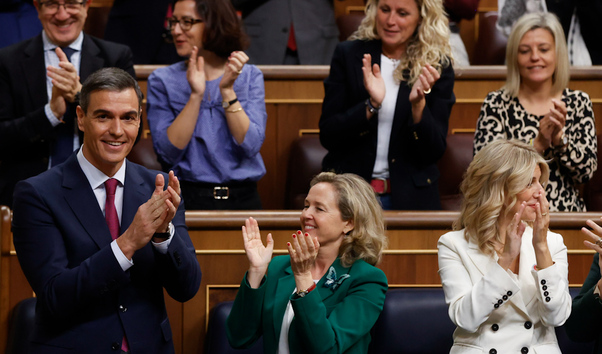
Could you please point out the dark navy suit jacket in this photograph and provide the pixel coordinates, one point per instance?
(86, 303)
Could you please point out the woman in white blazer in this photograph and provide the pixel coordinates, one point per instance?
(504, 274)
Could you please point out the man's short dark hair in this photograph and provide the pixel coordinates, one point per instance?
(109, 79)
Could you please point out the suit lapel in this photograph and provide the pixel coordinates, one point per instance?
(327, 292)
(135, 193)
(90, 58)
(478, 258)
(33, 68)
(83, 202)
(483, 261)
(286, 285)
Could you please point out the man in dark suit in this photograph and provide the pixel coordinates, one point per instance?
(38, 90)
(99, 279)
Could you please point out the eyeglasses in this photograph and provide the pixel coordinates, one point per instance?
(185, 23)
(52, 7)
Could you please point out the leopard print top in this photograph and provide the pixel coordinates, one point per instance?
(502, 116)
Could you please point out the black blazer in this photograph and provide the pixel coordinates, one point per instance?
(350, 138)
(25, 132)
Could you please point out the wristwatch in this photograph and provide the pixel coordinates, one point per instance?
(227, 104)
(564, 142)
(302, 293)
(163, 236)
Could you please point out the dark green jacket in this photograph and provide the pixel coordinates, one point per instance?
(335, 319)
(585, 322)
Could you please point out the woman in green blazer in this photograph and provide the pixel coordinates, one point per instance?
(325, 296)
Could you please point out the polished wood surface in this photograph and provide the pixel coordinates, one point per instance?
(410, 260)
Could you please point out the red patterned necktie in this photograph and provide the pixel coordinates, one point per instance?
(110, 211)
(113, 223)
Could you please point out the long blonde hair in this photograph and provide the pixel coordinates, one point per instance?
(494, 178)
(428, 45)
(357, 202)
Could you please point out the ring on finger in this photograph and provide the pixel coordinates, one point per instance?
(599, 242)
(426, 92)
(240, 71)
(544, 214)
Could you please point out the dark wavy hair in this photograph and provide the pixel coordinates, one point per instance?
(224, 32)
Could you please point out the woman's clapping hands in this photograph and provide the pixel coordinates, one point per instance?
(259, 255)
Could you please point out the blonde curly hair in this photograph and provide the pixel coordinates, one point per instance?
(428, 45)
(494, 178)
(357, 202)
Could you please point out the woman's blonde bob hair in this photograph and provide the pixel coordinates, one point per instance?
(529, 22)
(428, 45)
(357, 202)
(494, 178)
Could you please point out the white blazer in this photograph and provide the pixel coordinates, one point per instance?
(497, 311)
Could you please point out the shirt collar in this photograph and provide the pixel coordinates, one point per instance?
(95, 177)
(76, 44)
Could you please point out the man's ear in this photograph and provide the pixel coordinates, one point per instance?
(80, 117)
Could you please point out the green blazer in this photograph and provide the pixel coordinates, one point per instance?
(336, 317)
(584, 325)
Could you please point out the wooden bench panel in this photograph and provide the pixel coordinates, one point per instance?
(410, 260)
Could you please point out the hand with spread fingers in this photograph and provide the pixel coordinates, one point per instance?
(373, 81)
(540, 232)
(195, 74)
(259, 255)
(512, 243)
(303, 250)
(542, 220)
(594, 242)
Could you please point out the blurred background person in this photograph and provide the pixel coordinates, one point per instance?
(142, 25)
(387, 102)
(457, 10)
(536, 106)
(289, 31)
(326, 295)
(584, 323)
(18, 21)
(504, 274)
(207, 115)
(579, 19)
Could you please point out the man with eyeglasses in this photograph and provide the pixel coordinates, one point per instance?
(40, 79)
